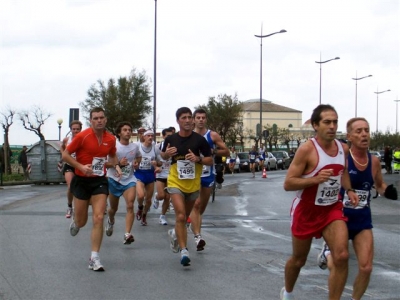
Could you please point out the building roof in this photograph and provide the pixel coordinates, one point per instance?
(267, 106)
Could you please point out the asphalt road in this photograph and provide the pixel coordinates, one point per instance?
(248, 241)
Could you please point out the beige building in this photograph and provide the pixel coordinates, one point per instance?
(272, 114)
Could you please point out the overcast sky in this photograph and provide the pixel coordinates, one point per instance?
(53, 51)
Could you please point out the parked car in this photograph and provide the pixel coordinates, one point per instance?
(381, 157)
(283, 159)
(244, 162)
(271, 163)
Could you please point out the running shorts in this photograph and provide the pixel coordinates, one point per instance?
(84, 188)
(118, 189)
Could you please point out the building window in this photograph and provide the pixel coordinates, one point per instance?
(290, 126)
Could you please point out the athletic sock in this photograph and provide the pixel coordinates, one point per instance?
(94, 254)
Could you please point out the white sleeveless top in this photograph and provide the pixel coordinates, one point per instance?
(326, 193)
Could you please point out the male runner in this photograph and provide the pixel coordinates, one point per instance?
(145, 175)
(261, 157)
(161, 182)
(90, 185)
(218, 148)
(253, 154)
(184, 148)
(68, 171)
(316, 173)
(365, 171)
(129, 158)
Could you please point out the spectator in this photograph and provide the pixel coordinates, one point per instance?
(23, 161)
(387, 158)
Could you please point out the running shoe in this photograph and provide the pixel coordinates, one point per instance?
(287, 297)
(109, 227)
(69, 212)
(163, 220)
(95, 264)
(73, 229)
(139, 214)
(144, 221)
(321, 258)
(156, 203)
(185, 260)
(128, 239)
(173, 241)
(200, 242)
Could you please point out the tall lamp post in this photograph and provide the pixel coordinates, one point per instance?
(261, 37)
(155, 72)
(377, 107)
(356, 79)
(397, 111)
(320, 73)
(59, 122)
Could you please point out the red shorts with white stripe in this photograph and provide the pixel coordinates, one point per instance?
(309, 220)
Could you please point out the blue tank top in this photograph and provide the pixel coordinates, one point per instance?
(208, 170)
(361, 181)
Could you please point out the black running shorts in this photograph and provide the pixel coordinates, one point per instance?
(84, 188)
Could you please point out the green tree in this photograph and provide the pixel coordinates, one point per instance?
(124, 99)
(224, 113)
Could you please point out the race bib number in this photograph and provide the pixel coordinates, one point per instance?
(126, 170)
(166, 165)
(145, 163)
(186, 169)
(363, 197)
(252, 156)
(206, 171)
(328, 192)
(98, 166)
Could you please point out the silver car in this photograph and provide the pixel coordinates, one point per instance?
(270, 161)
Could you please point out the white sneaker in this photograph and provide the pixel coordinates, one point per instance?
(322, 261)
(109, 228)
(163, 220)
(156, 203)
(286, 297)
(185, 260)
(73, 229)
(200, 242)
(173, 241)
(95, 264)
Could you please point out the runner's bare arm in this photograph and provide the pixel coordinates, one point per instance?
(222, 149)
(298, 167)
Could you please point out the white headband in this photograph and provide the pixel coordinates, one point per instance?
(148, 132)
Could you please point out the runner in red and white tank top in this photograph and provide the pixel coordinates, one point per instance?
(326, 193)
(316, 174)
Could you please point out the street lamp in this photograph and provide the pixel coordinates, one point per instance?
(59, 122)
(320, 72)
(356, 79)
(261, 37)
(377, 95)
(397, 101)
(155, 71)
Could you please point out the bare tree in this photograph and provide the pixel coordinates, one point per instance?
(34, 119)
(6, 121)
